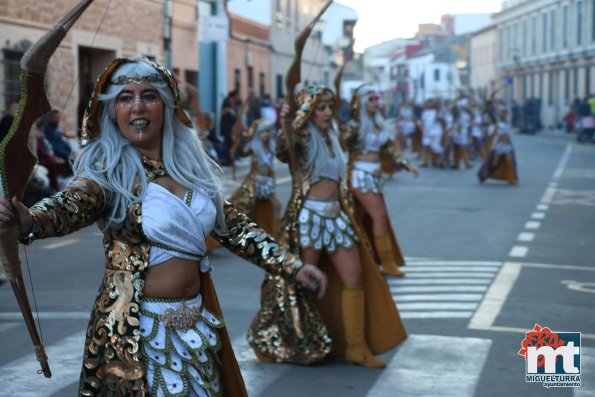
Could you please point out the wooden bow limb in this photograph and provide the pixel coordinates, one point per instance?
(292, 78)
(339, 76)
(236, 134)
(17, 162)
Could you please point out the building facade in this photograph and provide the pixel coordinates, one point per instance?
(546, 50)
(484, 60)
(131, 27)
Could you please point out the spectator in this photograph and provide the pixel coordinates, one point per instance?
(7, 119)
(229, 114)
(54, 133)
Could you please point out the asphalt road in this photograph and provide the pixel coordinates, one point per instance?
(486, 262)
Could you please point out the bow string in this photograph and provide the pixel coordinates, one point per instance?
(17, 162)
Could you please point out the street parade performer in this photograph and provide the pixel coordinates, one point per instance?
(156, 327)
(256, 197)
(358, 312)
(372, 152)
(500, 162)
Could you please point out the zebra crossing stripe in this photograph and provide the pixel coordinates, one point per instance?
(587, 388)
(449, 275)
(435, 314)
(453, 263)
(437, 297)
(440, 288)
(457, 281)
(20, 378)
(417, 268)
(423, 366)
(437, 305)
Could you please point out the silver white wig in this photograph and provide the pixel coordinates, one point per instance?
(368, 124)
(115, 164)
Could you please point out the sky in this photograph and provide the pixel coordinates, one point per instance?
(382, 20)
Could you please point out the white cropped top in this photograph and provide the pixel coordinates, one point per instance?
(175, 227)
(374, 141)
(331, 169)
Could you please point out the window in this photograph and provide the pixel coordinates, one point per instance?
(550, 89)
(579, 22)
(525, 32)
(501, 44)
(588, 89)
(567, 84)
(279, 86)
(261, 85)
(553, 30)
(534, 35)
(514, 41)
(12, 71)
(593, 20)
(250, 71)
(237, 79)
(541, 93)
(565, 26)
(436, 74)
(544, 32)
(575, 83)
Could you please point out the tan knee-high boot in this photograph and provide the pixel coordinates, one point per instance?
(353, 307)
(384, 251)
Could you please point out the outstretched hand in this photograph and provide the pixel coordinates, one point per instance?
(313, 278)
(9, 211)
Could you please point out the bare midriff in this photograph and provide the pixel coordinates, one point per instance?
(370, 156)
(174, 278)
(324, 190)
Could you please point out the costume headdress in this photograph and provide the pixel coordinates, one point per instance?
(257, 127)
(91, 128)
(363, 91)
(307, 99)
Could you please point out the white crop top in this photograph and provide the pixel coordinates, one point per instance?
(374, 141)
(175, 227)
(331, 169)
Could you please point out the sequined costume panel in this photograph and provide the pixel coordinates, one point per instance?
(180, 342)
(250, 242)
(113, 361)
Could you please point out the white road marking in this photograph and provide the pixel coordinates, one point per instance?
(436, 314)
(526, 237)
(518, 251)
(257, 375)
(587, 388)
(423, 366)
(439, 288)
(20, 378)
(413, 269)
(436, 297)
(582, 173)
(456, 281)
(8, 326)
(553, 184)
(562, 163)
(543, 207)
(285, 179)
(47, 315)
(436, 306)
(490, 307)
(533, 225)
(454, 263)
(449, 275)
(62, 243)
(495, 297)
(548, 196)
(538, 215)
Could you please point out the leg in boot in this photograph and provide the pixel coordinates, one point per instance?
(465, 156)
(384, 251)
(353, 307)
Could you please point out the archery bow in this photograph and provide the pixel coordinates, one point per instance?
(337, 81)
(17, 162)
(236, 134)
(292, 78)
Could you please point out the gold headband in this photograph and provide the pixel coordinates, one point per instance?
(123, 80)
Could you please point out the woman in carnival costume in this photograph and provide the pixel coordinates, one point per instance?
(500, 163)
(256, 196)
(358, 312)
(156, 327)
(372, 152)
